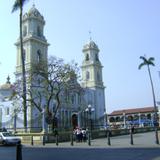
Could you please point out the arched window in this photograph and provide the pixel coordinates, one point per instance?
(38, 31)
(112, 119)
(136, 117)
(24, 55)
(118, 119)
(73, 99)
(130, 118)
(38, 56)
(149, 116)
(24, 31)
(87, 75)
(98, 76)
(96, 57)
(87, 57)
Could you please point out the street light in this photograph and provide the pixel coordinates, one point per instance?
(89, 110)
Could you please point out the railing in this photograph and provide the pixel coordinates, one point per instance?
(41, 138)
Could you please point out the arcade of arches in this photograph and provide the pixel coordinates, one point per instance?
(139, 117)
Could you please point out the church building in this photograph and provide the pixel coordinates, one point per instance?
(90, 110)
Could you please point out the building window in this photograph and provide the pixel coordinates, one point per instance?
(24, 31)
(112, 119)
(87, 75)
(24, 55)
(38, 31)
(38, 56)
(87, 57)
(73, 99)
(98, 76)
(96, 57)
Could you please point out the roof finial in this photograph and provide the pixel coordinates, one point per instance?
(33, 3)
(90, 35)
(8, 80)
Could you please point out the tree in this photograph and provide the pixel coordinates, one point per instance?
(51, 85)
(18, 4)
(150, 62)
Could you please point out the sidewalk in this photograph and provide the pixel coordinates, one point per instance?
(141, 140)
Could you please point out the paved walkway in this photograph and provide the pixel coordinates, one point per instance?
(144, 148)
(141, 140)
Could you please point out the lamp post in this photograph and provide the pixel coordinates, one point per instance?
(124, 119)
(43, 120)
(89, 110)
(131, 134)
(15, 120)
(43, 126)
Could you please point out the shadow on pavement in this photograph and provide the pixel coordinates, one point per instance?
(91, 153)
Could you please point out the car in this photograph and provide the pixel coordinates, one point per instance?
(6, 138)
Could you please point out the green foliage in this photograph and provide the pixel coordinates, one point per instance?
(146, 61)
(51, 83)
(18, 4)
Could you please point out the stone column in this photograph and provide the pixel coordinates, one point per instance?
(139, 116)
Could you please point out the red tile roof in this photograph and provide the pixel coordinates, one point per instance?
(132, 111)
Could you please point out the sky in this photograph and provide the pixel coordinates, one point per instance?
(124, 30)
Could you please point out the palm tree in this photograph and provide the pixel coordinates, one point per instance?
(18, 4)
(150, 62)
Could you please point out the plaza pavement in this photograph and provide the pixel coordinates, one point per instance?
(120, 149)
(144, 148)
(140, 140)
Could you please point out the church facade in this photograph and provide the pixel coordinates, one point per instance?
(89, 110)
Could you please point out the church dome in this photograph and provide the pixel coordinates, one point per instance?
(33, 13)
(6, 90)
(90, 45)
(7, 85)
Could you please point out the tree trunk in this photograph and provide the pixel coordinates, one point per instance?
(153, 93)
(23, 71)
(54, 123)
(155, 106)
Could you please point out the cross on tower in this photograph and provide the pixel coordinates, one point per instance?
(90, 35)
(34, 3)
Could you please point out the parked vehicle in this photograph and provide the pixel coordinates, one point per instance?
(6, 138)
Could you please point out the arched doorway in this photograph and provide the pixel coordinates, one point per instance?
(74, 121)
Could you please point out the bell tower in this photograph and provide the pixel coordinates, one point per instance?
(91, 66)
(92, 81)
(35, 50)
(35, 46)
